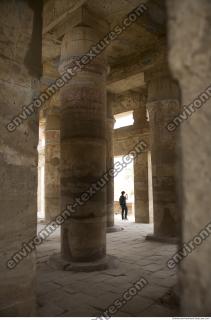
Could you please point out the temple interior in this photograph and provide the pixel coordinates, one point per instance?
(97, 98)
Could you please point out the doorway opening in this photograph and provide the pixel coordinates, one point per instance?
(41, 174)
(124, 181)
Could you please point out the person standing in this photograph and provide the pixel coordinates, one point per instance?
(122, 201)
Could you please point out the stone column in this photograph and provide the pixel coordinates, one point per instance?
(141, 188)
(109, 164)
(20, 72)
(163, 104)
(52, 162)
(141, 170)
(140, 117)
(191, 64)
(83, 147)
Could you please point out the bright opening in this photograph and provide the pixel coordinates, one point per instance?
(124, 181)
(124, 119)
(41, 175)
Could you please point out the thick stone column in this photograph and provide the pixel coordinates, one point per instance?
(141, 171)
(191, 65)
(83, 147)
(163, 104)
(52, 162)
(20, 63)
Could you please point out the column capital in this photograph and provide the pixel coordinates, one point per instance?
(158, 73)
(161, 86)
(80, 15)
(83, 47)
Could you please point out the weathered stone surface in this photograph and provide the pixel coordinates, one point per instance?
(83, 149)
(19, 70)
(141, 188)
(163, 104)
(89, 293)
(136, 60)
(124, 102)
(191, 65)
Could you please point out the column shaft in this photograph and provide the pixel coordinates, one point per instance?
(163, 104)
(83, 149)
(141, 188)
(141, 170)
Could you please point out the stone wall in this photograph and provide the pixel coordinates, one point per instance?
(20, 47)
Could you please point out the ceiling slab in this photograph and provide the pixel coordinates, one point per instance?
(126, 84)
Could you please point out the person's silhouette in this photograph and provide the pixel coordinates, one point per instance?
(123, 205)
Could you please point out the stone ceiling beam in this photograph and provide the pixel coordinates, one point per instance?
(129, 75)
(126, 84)
(62, 18)
(73, 17)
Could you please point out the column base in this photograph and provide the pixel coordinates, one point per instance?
(114, 229)
(57, 262)
(164, 239)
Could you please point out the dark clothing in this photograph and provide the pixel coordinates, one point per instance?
(124, 210)
(122, 202)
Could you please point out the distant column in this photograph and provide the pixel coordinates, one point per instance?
(141, 192)
(163, 104)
